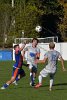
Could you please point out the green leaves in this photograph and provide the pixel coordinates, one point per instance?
(27, 14)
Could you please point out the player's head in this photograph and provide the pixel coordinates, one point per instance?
(16, 47)
(51, 45)
(35, 42)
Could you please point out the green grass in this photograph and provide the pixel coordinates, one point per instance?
(24, 92)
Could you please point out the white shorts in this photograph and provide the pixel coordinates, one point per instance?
(45, 72)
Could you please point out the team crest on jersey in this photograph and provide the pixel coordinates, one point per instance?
(32, 54)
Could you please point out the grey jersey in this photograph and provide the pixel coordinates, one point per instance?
(31, 54)
(52, 56)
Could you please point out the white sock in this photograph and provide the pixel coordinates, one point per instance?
(34, 78)
(40, 79)
(30, 73)
(51, 83)
(7, 83)
(14, 81)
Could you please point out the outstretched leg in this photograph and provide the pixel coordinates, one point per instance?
(43, 73)
(11, 80)
(40, 82)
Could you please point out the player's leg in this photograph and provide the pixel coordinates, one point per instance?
(31, 74)
(14, 82)
(33, 71)
(21, 74)
(42, 74)
(11, 80)
(8, 83)
(34, 76)
(31, 77)
(51, 81)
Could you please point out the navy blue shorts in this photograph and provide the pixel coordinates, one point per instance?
(17, 72)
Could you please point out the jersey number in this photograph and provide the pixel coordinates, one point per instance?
(53, 57)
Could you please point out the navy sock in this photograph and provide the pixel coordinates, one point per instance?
(5, 85)
(17, 78)
(32, 80)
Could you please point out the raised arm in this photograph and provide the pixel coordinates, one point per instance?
(23, 46)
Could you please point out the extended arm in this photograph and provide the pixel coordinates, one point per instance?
(41, 61)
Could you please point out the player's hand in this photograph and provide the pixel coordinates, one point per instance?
(25, 42)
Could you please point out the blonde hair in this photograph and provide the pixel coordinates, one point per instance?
(51, 45)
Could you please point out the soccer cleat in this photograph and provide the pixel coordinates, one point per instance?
(2, 88)
(38, 85)
(32, 84)
(50, 89)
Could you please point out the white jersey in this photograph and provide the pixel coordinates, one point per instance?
(31, 54)
(51, 67)
(52, 56)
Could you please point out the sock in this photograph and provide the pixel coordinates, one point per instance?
(17, 79)
(30, 73)
(30, 76)
(14, 81)
(32, 79)
(51, 83)
(40, 79)
(6, 85)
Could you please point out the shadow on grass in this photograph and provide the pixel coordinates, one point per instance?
(60, 86)
(57, 84)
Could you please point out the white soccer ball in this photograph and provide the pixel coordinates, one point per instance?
(38, 28)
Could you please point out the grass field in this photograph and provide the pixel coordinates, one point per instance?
(24, 92)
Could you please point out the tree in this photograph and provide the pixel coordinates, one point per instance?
(4, 21)
(27, 14)
(63, 24)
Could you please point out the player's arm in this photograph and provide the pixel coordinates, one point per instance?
(23, 46)
(41, 61)
(62, 63)
(44, 60)
(23, 55)
(25, 49)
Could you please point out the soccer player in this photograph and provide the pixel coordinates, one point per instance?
(51, 56)
(18, 72)
(33, 53)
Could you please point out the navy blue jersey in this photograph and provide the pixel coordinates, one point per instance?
(18, 59)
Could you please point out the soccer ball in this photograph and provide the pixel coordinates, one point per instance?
(38, 28)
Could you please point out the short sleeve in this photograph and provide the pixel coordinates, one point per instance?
(38, 50)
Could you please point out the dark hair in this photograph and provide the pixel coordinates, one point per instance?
(16, 45)
(35, 39)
